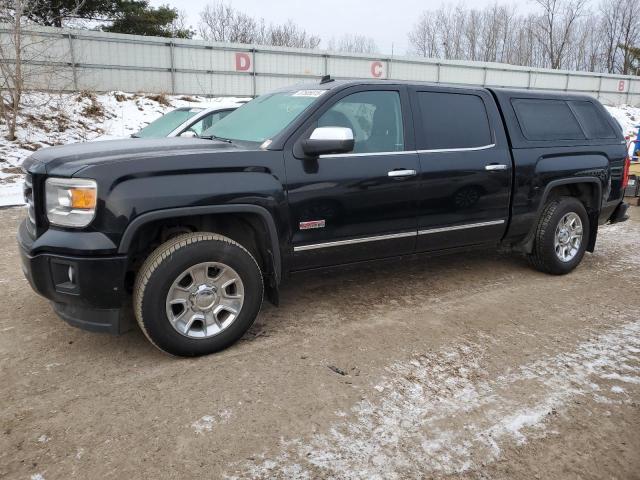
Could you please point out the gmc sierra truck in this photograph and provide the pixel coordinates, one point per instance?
(186, 235)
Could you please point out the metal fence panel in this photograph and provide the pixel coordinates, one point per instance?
(234, 85)
(356, 67)
(70, 60)
(501, 78)
(583, 83)
(549, 81)
(415, 71)
(290, 64)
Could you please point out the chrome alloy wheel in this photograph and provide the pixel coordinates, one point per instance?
(568, 237)
(205, 300)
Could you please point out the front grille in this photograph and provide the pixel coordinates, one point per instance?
(28, 199)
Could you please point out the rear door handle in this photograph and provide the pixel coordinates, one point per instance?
(494, 167)
(401, 173)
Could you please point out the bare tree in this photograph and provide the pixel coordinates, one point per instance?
(290, 35)
(180, 24)
(611, 13)
(629, 35)
(220, 22)
(27, 59)
(472, 34)
(353, 43)
(423, 37)
(561, 34)
(557, 25)
(11, 49)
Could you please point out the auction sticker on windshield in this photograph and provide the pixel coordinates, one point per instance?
(308, 93)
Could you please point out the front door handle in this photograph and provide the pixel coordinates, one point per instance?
(495, 166)
(402, 173)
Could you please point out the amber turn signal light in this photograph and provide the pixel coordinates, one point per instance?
(83, 198)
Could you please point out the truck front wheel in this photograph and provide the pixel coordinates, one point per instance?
(561, 236)
(197, 294)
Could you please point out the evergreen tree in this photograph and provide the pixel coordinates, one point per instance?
(53, 13)
(137, 17)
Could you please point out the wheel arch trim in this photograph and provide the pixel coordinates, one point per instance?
(593, 217)
(263, 213)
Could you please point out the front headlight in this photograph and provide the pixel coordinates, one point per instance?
(71, 202)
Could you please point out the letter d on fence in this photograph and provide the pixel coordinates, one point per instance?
(243, 62)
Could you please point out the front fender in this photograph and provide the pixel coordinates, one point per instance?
(263, 213)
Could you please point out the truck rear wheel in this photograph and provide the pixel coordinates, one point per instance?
(561, 236)
(197, 294)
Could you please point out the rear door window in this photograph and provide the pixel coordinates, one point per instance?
(452, 121)
(592, 120)
(547, 120)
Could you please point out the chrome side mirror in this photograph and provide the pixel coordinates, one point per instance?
(327, 140)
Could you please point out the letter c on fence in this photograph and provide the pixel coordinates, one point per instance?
(621, 86)
(376, 69)
(243, 62)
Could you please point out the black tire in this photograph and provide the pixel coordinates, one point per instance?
(166, 264)
(543, 257)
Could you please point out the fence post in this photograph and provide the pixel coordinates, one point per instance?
(600, 88)
(566, 83)
(530, 79)
(326, 65)
(254, 87)
(438, 72)
(484, 77)
(73, 62)
(173, 70)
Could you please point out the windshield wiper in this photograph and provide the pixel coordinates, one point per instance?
(213, 137)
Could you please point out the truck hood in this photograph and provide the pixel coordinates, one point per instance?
(69, 159)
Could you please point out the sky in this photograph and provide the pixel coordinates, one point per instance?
(332, 18)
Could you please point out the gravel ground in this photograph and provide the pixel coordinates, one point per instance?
(472, 366)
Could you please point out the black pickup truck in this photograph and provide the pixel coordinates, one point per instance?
(187, 234)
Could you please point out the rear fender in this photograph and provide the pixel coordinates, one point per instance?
(593, 211)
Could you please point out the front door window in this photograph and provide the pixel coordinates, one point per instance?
(374, 117)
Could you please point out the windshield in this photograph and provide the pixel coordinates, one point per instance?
(167, 123)
(264, 117)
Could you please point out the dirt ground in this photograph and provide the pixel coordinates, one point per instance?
(472, 366)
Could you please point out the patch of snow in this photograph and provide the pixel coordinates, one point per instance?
(617, 389)
(442, 413)
(37, 476)
(43, 438)
(79, 453)
(617, 246)
(207, 422)
(622, 378)
(628, 118)
(11, 193)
